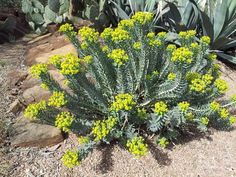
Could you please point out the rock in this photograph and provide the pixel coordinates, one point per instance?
(15, 107)
(15, 77)
(29, 82)
(28, 134)
(43, 46)
(35, 94)
(39, 38)
(61, 51)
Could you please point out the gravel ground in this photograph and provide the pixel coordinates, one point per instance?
(209, 156)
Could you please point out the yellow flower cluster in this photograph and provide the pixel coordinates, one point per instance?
(232, 120)
(155, 42)
(160, 108)
(56, 60)
(119, 35)
(212, 56)
(137, 147)
(171, 48)
(105, 49)
(233, 97)
(214, 106)
(70, 65)
(182, 54)
(171, 76)
(88, 59)
(37, 70)
(107, 32)
(143, 17)
(204, 120)
(44, 86)
(221, 85)
(207, 78)
(163, 142)
(205, 39)
(123, 101)
(126, 24)
(142, 113)
(68, 29)
(64, 121)
(137, 45)
(119, 56)
(71, 159)
(33, 110)
(198, 85)
(195, 46)
(187, 34)
(183, 106)
(84, 45)
(151, 35)
(83, 140)
(224, 113)
(102, 128)
(162, 35)
(88, 34)
(57, 99)
(189, 116)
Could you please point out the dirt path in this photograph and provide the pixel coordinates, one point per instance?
(208, 156)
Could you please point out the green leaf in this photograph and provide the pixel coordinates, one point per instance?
(54, 5)
(49, 14)
(27, 6)
(229, 58)
(37, 18)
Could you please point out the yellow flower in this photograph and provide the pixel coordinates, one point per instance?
(137, 147)
(198, 85)
(195, 46)
(119, 56)
(160, 108)
(183, 106)
(89, 34)
(204, 120)
(162, 35)
(88, 59)
(232, 120)
(44, 86)
(155, 42)
(233, 97)
(182, 54)
(123, 101)
(212, 56)
(70, 65)
(151, 35)
(215, 106)
(57, 99)
(68, 29)
(102, 128)
(171, 76)
(143, 17)
(207, 78)
(83, 140)
(221, 85)
(105, 49)
(33, 110)
(55, 60)
(37, 70)
(71, 159)
(64, 121)
(84, 45)
(119, 35)
(107, 33)
(224, 113)
(137, 45)
(187, 34)
(163, 142)
(171, 47)
(189, 116)
(126, 24)
(192, 75)
(205, 40)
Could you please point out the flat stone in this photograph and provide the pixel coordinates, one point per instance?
(15, 107)
(39, 38)
(15, 77)
(28, 134)
(35, 94)
(29, 82)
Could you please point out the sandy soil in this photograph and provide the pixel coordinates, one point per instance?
(212, 155)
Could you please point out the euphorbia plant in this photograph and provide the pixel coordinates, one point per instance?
(129, 83)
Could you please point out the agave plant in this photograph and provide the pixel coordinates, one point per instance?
(129, 84)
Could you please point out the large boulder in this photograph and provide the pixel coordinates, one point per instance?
(29, 134)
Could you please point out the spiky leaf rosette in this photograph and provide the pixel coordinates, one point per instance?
(129, 82)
